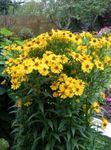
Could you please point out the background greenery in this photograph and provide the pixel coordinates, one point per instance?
(75, 15)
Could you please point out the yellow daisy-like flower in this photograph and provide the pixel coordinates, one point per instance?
(43, 69)
(19, 103)
(15, 84)
(54, 85)
(99, 64)
(56, 68)
(104, 123)
(96, 107)
(87, 66)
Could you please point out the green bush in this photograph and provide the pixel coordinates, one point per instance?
(25, 33)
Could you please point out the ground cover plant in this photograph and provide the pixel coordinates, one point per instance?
(56, 82)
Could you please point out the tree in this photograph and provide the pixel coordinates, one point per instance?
(5, 5)
(66, 14)
(30, 8)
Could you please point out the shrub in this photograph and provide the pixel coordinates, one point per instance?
(56, 80)
(25, 33)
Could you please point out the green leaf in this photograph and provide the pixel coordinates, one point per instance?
(73, 131)
(2, 90)
(68, 136)
(50, 123)
(43, 133)
(35, 143)
(31, 117)
(2, 62)
(48, 146)
(56, 137)
(61, 126)
(41, 107)
(18, 42)
(6, 32)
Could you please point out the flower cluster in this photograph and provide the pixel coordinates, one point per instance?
(76, 65)
(67, 87)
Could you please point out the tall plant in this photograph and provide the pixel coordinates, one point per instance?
(56, 80)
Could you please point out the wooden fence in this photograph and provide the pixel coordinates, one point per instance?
(35, 23)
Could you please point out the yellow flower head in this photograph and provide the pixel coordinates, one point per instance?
(87, 66)
(99, 65)
(96, 107)
(19, 103)
(104, 123)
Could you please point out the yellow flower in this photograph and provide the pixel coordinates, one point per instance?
(28, 65)
(79, 90)
(86, 34)
(55, 94)
(54, 85)
(94, 42)
(96, 107)
(56, 68)
(104, 123)
(87, 66)
(63, 87)
(62, 77)
(15, 84)
(102, 95)
(82, 48)
(99, 64)
(37, 62)
(107, 60)
(75, 56)
(19, 103)
(64, 59)
(43, 69)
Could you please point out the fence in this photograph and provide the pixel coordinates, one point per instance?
(35, 23)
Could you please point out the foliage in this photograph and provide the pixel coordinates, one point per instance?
(29, 8)
(56, 80)
(6, 38)
(75, 14)
(4, 145)
(25, 33)
(101, 142)
(6, 4)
